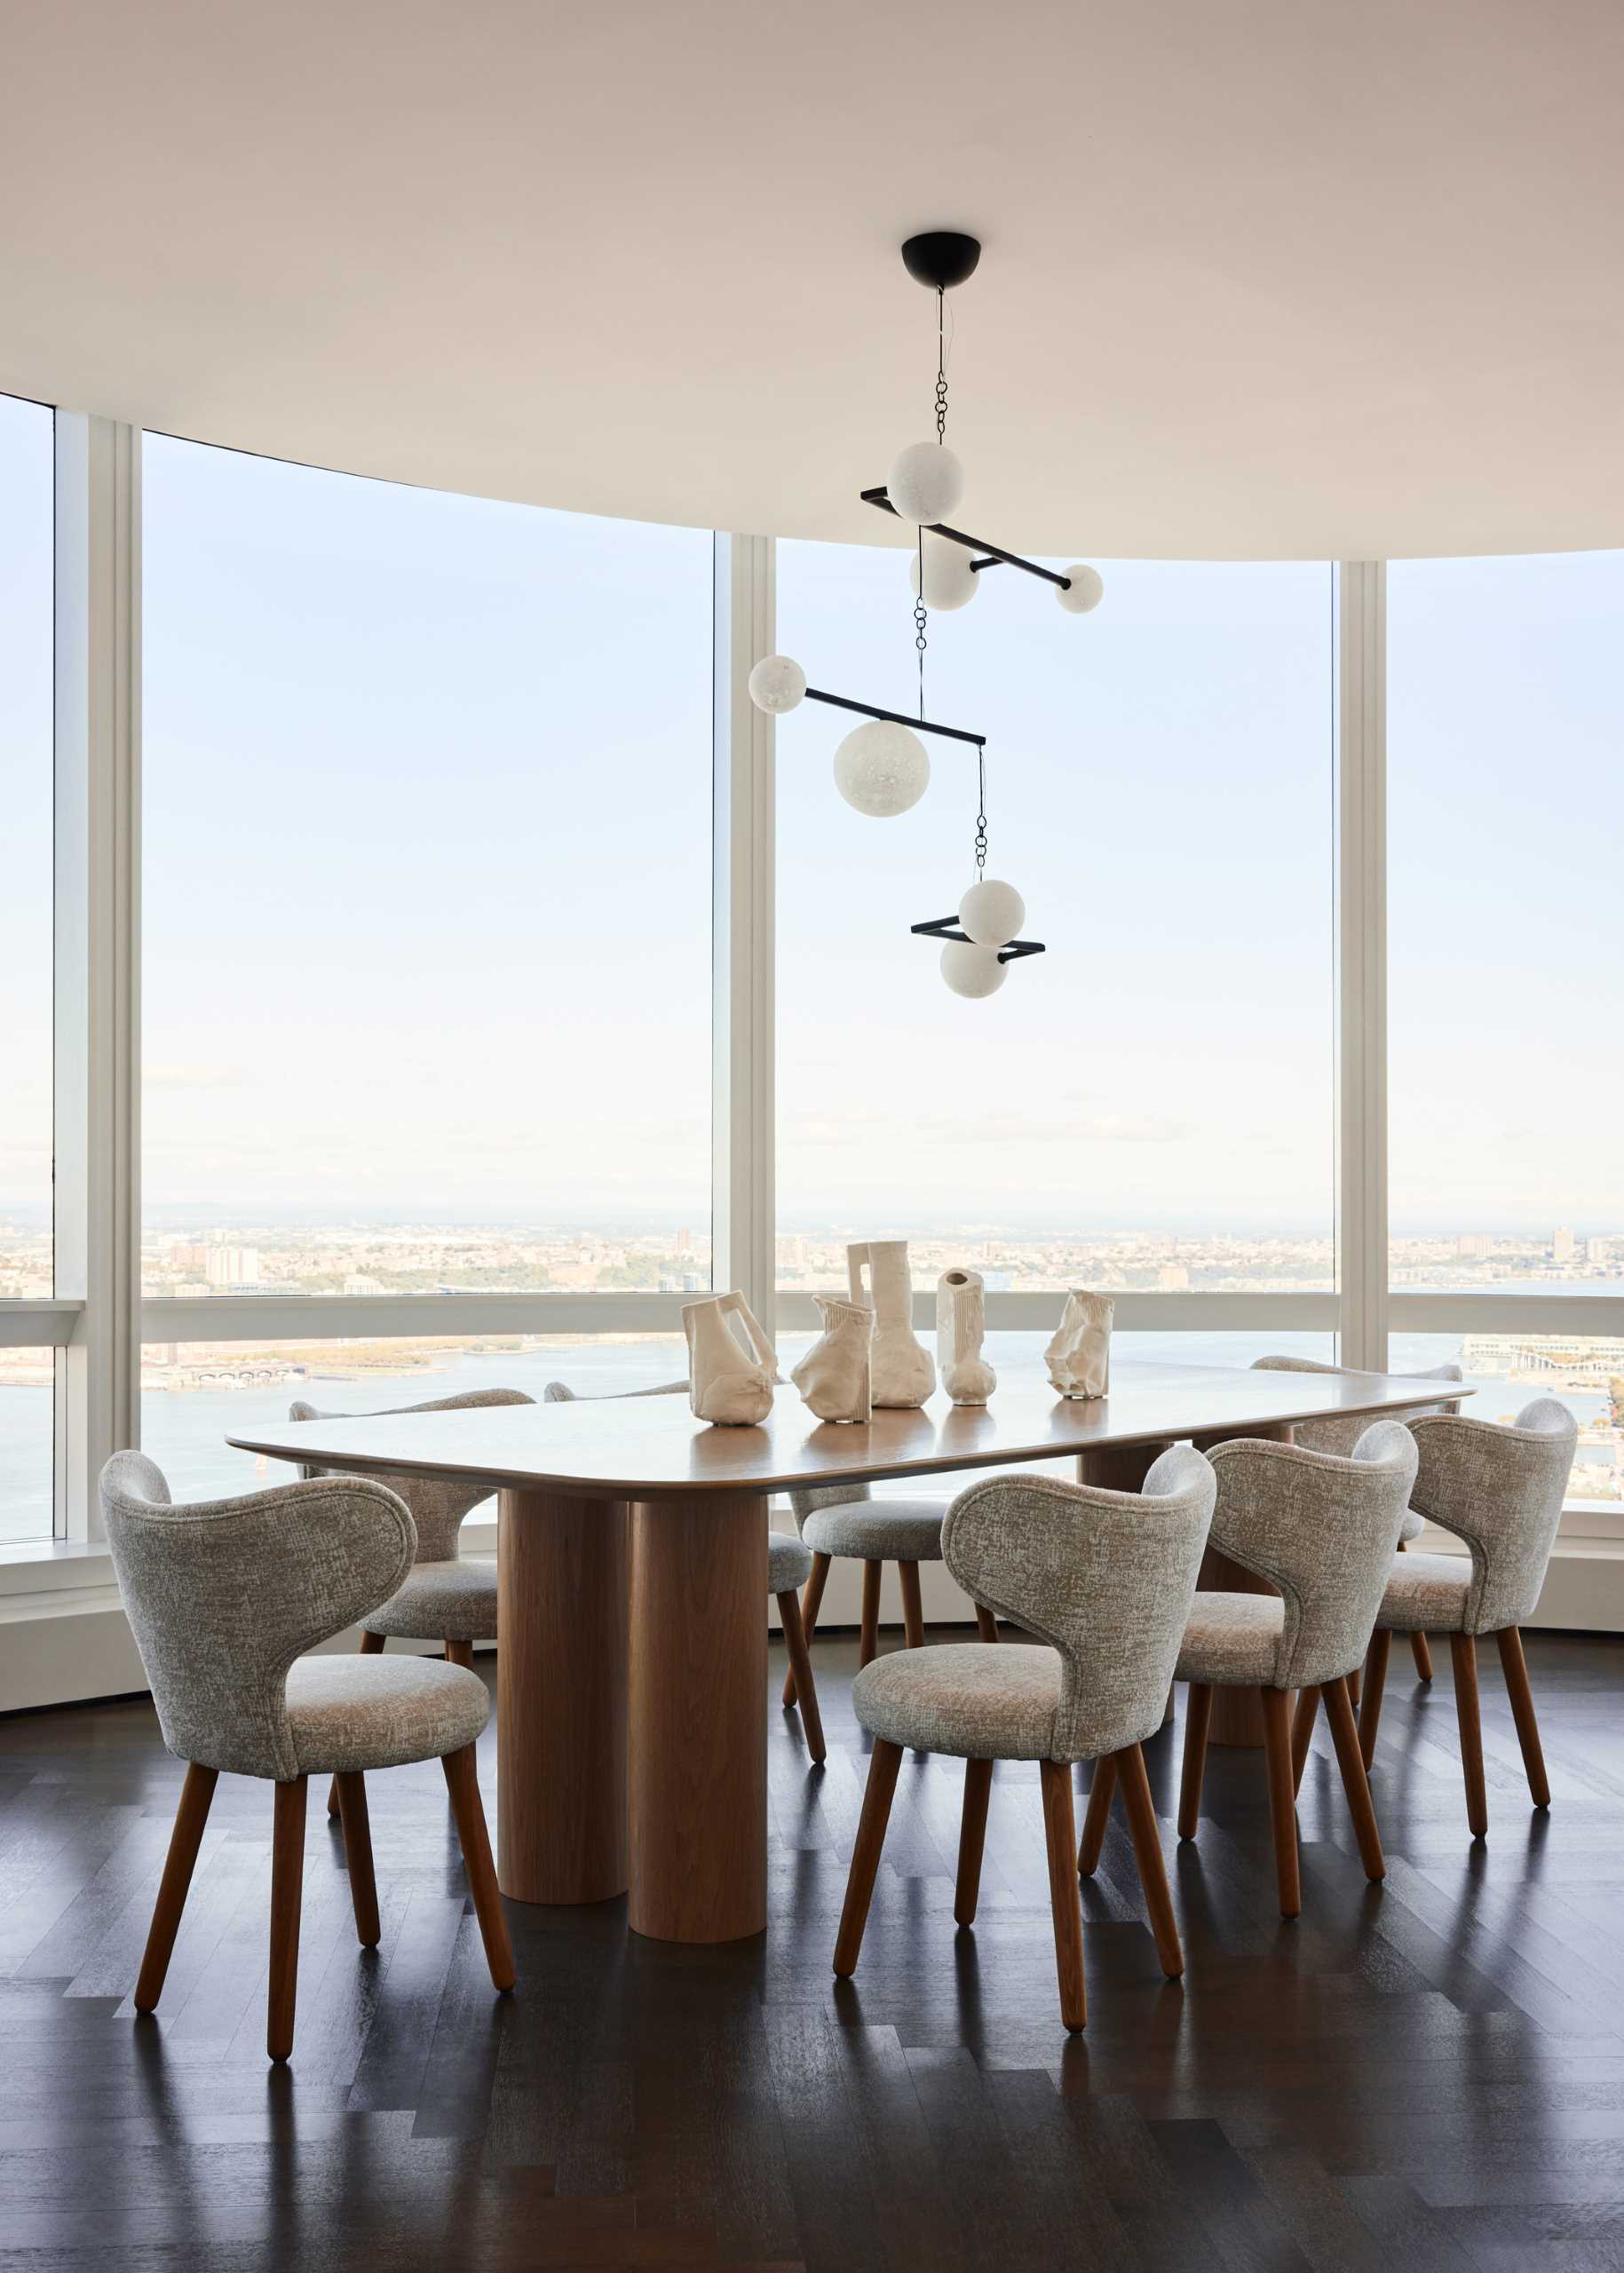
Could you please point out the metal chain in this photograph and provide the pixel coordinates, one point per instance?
(920, 620)
(941, 368)
(980, 815)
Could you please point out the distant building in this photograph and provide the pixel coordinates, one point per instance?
(233, 1266)
(1474, 1244)
(1562, 1245)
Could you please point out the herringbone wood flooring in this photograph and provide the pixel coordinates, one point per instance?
(1428, 2075)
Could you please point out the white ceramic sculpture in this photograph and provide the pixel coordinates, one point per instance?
(1078, 1356)
(835, 1375)
(731, 1365)
(961, 1327)
(904, 1370)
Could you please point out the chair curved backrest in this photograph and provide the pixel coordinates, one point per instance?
(1501, 1491)
(223, 1595)
(1340, 1433)
(561, 1393)
(1106, 1578)
(438, 1504)
(1324, 1530)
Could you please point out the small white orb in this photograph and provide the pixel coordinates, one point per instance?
(973, 970)
(926, 482)
(950, 580)
(992, 913)
(882, 768)
(1084, 589)
(777, 685)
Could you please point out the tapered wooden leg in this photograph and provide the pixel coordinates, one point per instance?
(1464, 1650)
(1198, 1716)
(460, 1653)
(1302, 1734)
(1354, 1683)
(987, 1623)
(1061, 1834)
(801, 1672)
(1351, 1760)
(811, 1603)
(1147, 1852)
(883, 1767)
(462, 1783)
(358, 1856)
(972, 1839)
(1282, 1808)
(1102, 1791)
(868, 1647)
(371, 1645)
(913, 1608)
(1421, 1653)
(1375, 1682)
(287, 1899)
(184, 1840)
(1515, 1666)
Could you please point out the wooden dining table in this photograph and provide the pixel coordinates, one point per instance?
(631, 1669)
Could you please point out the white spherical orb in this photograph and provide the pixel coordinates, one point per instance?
(1083, 591)
(777, 685)
(973, 970)
(881, 769)
(926, 482)
(992, 913)
(950, 580)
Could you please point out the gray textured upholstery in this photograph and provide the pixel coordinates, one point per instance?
(441, 1602)
(1232, 1641)
(809, 1499)
(1341, 1435)
(1324, 1530)
(224, 1596)
(438, 1504)
(883, 1531)
(1501, 1490)
(1106, 1578)
(1426, 1593)
(561, 1393)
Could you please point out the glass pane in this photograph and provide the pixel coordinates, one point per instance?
(194, 1394)
(427, 902)
(27, 1422)
(1510, 1370)
(1506, 840)
(1155, 1089)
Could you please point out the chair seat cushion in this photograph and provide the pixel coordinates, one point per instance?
(1232, 1640)
(1426, 1594)
(441, 1602)
(1412, 1526)
(788, 1563)
(979, 1700)
(881, 1531)
(346, 1712)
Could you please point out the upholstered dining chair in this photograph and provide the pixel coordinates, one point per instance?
(789, 1565)
(1501, 1491)
(1323, 1530)
(224, 1597)
(443, 1598)
(1105, 1580)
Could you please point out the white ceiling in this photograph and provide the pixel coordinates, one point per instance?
(1264, 278)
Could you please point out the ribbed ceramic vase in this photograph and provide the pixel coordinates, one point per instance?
(961, 1328)
(835, 1376)
(904, 1371)
(731, 1365)
(1078, 1356)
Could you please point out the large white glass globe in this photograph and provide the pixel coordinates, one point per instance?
(992, 913)
(973, 970)
(949, 579)
(1085, 590)
(926, 482)
(777, 685)
(882, 768)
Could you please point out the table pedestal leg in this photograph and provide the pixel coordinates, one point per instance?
(699, 1718)
(562, 1575)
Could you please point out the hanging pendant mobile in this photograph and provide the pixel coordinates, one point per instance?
(981, 943)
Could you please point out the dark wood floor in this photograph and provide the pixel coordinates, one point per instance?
(1427, 2075)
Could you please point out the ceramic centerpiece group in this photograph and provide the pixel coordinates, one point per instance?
(868, 1355)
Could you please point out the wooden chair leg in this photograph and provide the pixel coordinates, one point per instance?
(811, 1603)
(972, 1839)
(1282, 1799)
(1355, 1684)
(370, 1646)
(184, 1840)
(1147, 1852)
(462, 1783)
(987, 1623)
(1515, 1666)
(869, 1646)
(866, 1854)
(286, 1899)
(1060, 1833)
(358, 1856)
(1464, 1650)
(1102, 1791)
(913, 1608)
(1421, 1653)
(1302, 1734)
(801, 1672)
(460, 1653)
(1198, 1715)
(1351, 1760)
(1375, 1682)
